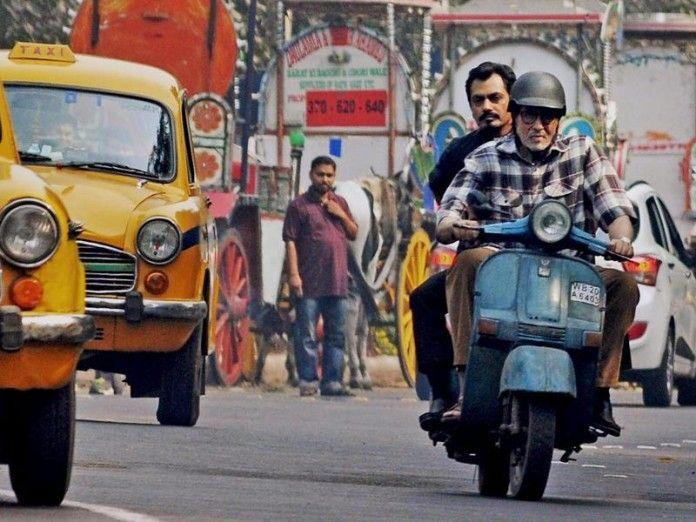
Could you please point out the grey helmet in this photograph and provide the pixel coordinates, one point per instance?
(538, 89)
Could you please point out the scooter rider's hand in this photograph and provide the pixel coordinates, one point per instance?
(450, 230)
(466, 229)
(622, 246)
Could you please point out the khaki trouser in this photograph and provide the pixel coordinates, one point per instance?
(622, 299)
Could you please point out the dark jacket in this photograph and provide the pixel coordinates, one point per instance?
(452, 160)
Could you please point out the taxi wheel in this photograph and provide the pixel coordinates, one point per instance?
(235, 350)
(412, 272)
(182, 375)
(42, 444)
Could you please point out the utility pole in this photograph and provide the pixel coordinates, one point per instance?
(248, 85)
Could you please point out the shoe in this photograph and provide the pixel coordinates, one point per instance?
(308, 389)
(430, 420)
(335, 389)
(99, 386)
(453, 415)
(603, 418)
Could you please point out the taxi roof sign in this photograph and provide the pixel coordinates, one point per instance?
(42, 51)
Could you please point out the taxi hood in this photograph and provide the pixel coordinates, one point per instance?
(105, 203)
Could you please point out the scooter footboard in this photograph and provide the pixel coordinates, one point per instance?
(538, 369)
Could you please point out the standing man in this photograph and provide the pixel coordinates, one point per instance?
(317, 226)
(488, 91)
(533, 163)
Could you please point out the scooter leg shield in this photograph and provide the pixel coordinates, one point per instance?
(481, 408)
(538, 369)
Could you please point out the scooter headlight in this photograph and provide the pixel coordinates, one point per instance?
(551, 221)
(159, 241)
(28, 234)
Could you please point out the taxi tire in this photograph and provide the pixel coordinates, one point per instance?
(42, 445)
(182, 375)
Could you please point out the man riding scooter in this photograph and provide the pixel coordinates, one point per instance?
(488, 91)
(533, 163)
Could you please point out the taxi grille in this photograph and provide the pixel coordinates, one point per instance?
(108, 270)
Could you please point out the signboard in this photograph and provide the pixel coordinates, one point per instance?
(578, 126)
(336, 77)
(346, 108)
(446, 127)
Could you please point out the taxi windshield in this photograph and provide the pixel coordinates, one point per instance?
(90, 130)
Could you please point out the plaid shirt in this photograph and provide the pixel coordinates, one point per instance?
(574, 172)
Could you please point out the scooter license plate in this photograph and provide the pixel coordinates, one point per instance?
(585, 293)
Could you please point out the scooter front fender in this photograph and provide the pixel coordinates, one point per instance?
(538, 369)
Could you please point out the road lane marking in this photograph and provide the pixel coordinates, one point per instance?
(123, 515)
(689, 441)
(600, 466)
(670, 444)
(588, 446)
(647, 447)
(615, 476)
(612, 446)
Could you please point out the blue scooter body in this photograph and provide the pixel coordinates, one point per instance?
(539, 346)
(548, 309)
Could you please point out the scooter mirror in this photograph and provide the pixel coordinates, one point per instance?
(476, 198)
(480, 204)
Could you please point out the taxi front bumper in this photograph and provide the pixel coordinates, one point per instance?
(17, 328)
(136, 309)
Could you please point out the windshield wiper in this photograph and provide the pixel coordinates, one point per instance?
(107, 166)
(33, 157)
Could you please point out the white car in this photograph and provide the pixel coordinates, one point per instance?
(663, 334)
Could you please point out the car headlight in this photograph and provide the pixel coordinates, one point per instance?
(551, 221)
(159, 241)
(28, 234)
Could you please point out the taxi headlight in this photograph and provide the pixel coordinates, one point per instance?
(28, 234)
(551, 221)
(159, 241)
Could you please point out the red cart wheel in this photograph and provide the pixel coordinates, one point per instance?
(234, 344)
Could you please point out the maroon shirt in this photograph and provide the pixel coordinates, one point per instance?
(321, 244)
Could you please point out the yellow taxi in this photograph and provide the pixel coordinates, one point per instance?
(43, 326)
(111, 139)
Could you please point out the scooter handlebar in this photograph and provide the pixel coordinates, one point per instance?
(518, 230)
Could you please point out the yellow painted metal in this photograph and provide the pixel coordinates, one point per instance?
(63, 280)
(112, 207)
(42, 51)
(413, 271)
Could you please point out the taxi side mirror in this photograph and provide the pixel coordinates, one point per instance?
(194, 190)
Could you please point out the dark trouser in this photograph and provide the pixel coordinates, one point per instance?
(434, 350)
(433, 342)
(333, 312)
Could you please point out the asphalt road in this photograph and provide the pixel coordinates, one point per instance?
(274, 456)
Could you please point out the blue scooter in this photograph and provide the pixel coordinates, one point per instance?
(537, 328)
